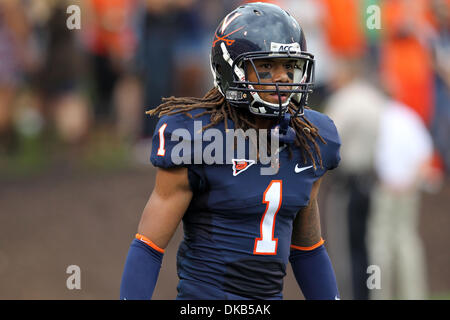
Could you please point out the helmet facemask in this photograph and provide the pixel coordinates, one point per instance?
(261, 31)
(243, 92)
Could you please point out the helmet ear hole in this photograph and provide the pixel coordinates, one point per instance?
(258, 13)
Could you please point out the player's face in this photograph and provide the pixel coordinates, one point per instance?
(272, 71)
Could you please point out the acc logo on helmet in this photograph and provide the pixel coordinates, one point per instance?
(289, 47)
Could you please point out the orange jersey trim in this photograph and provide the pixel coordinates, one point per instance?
(148, 242)
(318, 244)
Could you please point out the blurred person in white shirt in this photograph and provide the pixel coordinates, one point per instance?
(356, 108)
(403, 155)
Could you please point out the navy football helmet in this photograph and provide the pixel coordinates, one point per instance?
(261, 31)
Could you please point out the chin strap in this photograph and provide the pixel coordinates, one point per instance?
(300, 105)
(282, 131)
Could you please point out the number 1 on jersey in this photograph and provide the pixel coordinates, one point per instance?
(272, 197)
(161, 149)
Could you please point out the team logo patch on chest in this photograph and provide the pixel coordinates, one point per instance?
(240, 165)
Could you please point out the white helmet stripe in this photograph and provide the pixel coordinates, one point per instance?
(238, 71)
(215, 77)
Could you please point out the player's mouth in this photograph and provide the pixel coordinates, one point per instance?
(274, 97)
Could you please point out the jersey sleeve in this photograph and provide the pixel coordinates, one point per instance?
(172, 143)
(330, 152)
(332, 155)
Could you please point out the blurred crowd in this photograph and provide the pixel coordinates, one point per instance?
(65, 85)
(383, 75)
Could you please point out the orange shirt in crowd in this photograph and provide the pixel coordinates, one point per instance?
(343, 27)
(406, 62)
(110, 29)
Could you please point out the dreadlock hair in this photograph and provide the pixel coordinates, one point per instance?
(216, 105)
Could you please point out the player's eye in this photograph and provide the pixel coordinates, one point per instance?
(265, 66)
(290, 65)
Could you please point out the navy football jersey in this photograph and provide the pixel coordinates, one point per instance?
(238, 227)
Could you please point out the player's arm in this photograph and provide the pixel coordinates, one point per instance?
(162, 214)
(309, 259)
(166, 206)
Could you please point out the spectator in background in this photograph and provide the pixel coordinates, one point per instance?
(403, 168)
(110, 40)
(16, 61)
(60, 79)
(355, 107)
(405, 56)
(344, 28)
(340, 36)
(403, 153)
(173, 53)
(191, 43)
(155, 55)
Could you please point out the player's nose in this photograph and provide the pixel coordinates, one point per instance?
(280, 74)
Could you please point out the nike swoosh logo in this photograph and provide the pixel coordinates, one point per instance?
(298, 170)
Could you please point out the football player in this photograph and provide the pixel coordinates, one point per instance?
(241, 228)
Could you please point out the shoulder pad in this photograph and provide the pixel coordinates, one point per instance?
(327, 130)
(175, 141)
